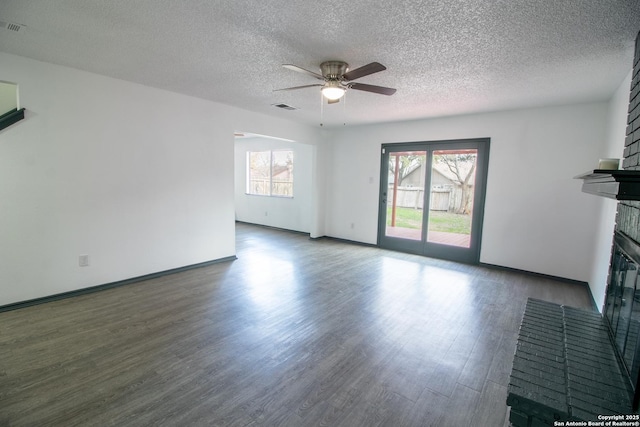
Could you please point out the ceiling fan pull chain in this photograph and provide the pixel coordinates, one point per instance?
(344, 108)
(321, 109)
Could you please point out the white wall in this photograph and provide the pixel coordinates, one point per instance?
(613, 148)
(536, 217)
(289, 213)
(138, 178)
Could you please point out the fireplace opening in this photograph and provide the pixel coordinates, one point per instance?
(622, 308)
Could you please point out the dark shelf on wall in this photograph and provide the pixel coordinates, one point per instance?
(11, 117)
(613, 184)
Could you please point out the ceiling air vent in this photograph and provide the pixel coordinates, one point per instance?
(12, 26)
(284, 106)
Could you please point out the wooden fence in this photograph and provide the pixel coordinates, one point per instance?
(441, 199)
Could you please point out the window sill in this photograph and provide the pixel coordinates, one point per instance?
(269, 195)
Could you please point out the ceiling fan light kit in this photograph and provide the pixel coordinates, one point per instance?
(332, 90)
(337, 79)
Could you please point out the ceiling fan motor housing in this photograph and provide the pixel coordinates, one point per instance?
(333, 70)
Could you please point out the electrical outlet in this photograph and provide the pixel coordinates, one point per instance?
(83, 260)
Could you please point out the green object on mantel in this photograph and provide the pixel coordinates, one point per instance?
(613, 184)
(11, 117)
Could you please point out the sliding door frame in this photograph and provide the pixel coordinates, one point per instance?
(469, 255)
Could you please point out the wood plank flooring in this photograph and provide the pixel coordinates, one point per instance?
(294, 332)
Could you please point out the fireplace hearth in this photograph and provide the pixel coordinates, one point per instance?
(565, 368)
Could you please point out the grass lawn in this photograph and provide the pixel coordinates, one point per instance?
(438, 221)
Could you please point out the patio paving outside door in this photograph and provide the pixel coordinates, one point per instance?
(432, 198)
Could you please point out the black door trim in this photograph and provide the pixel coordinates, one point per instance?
(468, 255)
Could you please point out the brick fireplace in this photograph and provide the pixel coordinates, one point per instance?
(575, 364)
(622, 305)
(628, 215)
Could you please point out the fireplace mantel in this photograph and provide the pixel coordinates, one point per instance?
(613, 184)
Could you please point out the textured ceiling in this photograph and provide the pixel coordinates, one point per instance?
(444, 57)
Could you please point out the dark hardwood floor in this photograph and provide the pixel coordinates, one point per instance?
(294, 332)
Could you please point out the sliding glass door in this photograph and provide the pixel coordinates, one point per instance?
(432, 198)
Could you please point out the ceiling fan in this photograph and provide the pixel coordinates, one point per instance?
(337, 79)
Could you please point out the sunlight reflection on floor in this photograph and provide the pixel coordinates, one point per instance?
(400, 296)
(270, 281)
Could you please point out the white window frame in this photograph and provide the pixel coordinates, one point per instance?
(249, 180)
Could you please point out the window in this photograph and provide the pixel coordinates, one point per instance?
(270, 173)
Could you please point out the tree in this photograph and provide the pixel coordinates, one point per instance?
(463, 167)
(407, 163)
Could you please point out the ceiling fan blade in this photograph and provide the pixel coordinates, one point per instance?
(302, 70)
(298, 87)
(365, 70)
(374, 89)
